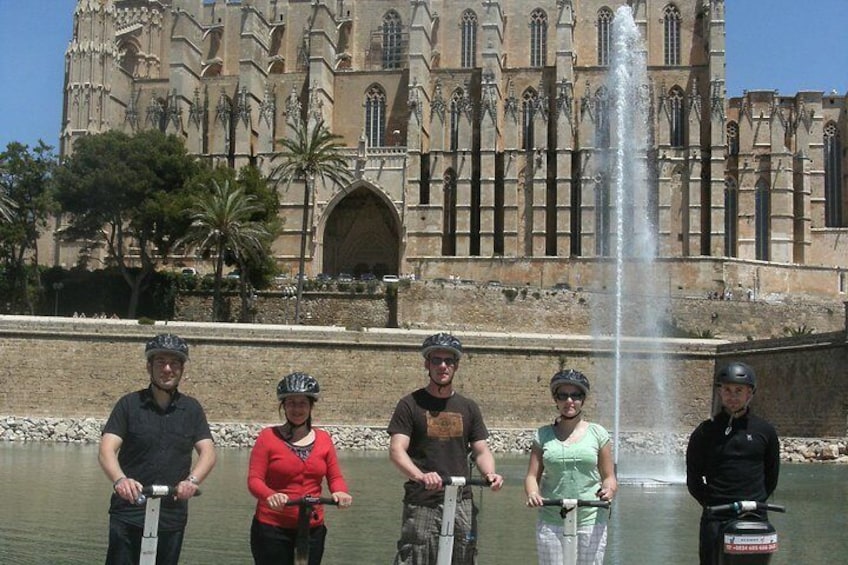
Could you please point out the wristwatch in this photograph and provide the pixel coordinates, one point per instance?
(193, 480)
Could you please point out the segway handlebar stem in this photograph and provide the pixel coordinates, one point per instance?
(745, 506)
(463, 481)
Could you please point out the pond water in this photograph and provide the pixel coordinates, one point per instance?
(54, 498)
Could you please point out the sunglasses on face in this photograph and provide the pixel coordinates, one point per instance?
(577, 396)
(449, 361)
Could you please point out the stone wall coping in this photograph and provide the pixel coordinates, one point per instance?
(212, 332)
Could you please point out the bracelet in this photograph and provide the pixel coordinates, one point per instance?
(193, 480)
(118, 481)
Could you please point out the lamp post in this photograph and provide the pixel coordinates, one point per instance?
(57, 286)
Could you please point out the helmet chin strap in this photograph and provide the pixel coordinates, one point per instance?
(166, 391)
(738, 414)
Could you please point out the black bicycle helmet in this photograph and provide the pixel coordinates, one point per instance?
(736, 373)
(298, 384)
(441, 341)
(570, 377)
(167, 343)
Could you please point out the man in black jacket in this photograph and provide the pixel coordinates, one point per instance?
(733, 456)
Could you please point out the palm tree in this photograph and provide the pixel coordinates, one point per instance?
(221, 222)
(314, 152)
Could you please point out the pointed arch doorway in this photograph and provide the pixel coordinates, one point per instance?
(361, 235)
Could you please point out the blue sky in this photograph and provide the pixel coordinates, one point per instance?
(804, 36)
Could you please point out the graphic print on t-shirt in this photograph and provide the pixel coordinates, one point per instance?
(444, 425)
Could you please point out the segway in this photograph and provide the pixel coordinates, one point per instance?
(304, 511)
(151, 496)
(452, 486)
(745, 536)
(568, 511)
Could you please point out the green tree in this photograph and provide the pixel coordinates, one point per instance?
(222, 224)
(313, 154)
(6, 205)
(129, 194)
(26, 204)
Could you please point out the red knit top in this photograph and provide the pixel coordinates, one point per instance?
(275, 467)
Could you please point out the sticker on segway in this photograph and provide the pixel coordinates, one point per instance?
(750, 543)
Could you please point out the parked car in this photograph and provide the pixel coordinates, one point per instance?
(189, 272)
(391, 279)
(234, 275)
(344, 278)
(324, 278)
(367, 277)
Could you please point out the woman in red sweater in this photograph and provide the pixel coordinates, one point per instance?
(289, 462)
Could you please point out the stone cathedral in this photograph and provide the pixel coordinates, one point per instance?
(478, 132)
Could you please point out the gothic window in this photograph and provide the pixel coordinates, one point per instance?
(731, 212)
(469, 39)
(392, 46)
(375, 116)
(676, 116)
(538, 38)
(449, 214)
(602, 118)
(762, 209)
(604, 35)
(456, 104)
(832, 176)
(671, 29)
(733, 139)
(129, 58)
(602, 216)
(529, 103)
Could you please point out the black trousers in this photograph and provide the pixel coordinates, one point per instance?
(125, 545)
(271, 545)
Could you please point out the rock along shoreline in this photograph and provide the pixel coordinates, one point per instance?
(25, 429)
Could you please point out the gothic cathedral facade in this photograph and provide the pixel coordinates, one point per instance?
(478, 131)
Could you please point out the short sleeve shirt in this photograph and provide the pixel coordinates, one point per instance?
(157, 449)
(571, 471)
(440, 431)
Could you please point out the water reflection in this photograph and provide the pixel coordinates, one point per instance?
(54, 503)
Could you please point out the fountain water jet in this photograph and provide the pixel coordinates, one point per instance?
(635, 243)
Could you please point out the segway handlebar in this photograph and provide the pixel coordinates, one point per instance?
(311, 501)
(573, 502)
(465, 481)
(158, 491)
(745, 506)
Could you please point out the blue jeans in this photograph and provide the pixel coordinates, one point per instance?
(271, 545)
(125, 545)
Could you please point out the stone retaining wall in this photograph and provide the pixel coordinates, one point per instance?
(368, 438)
(464, 307)
(77, 368)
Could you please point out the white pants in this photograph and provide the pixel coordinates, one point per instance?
(591, 544)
